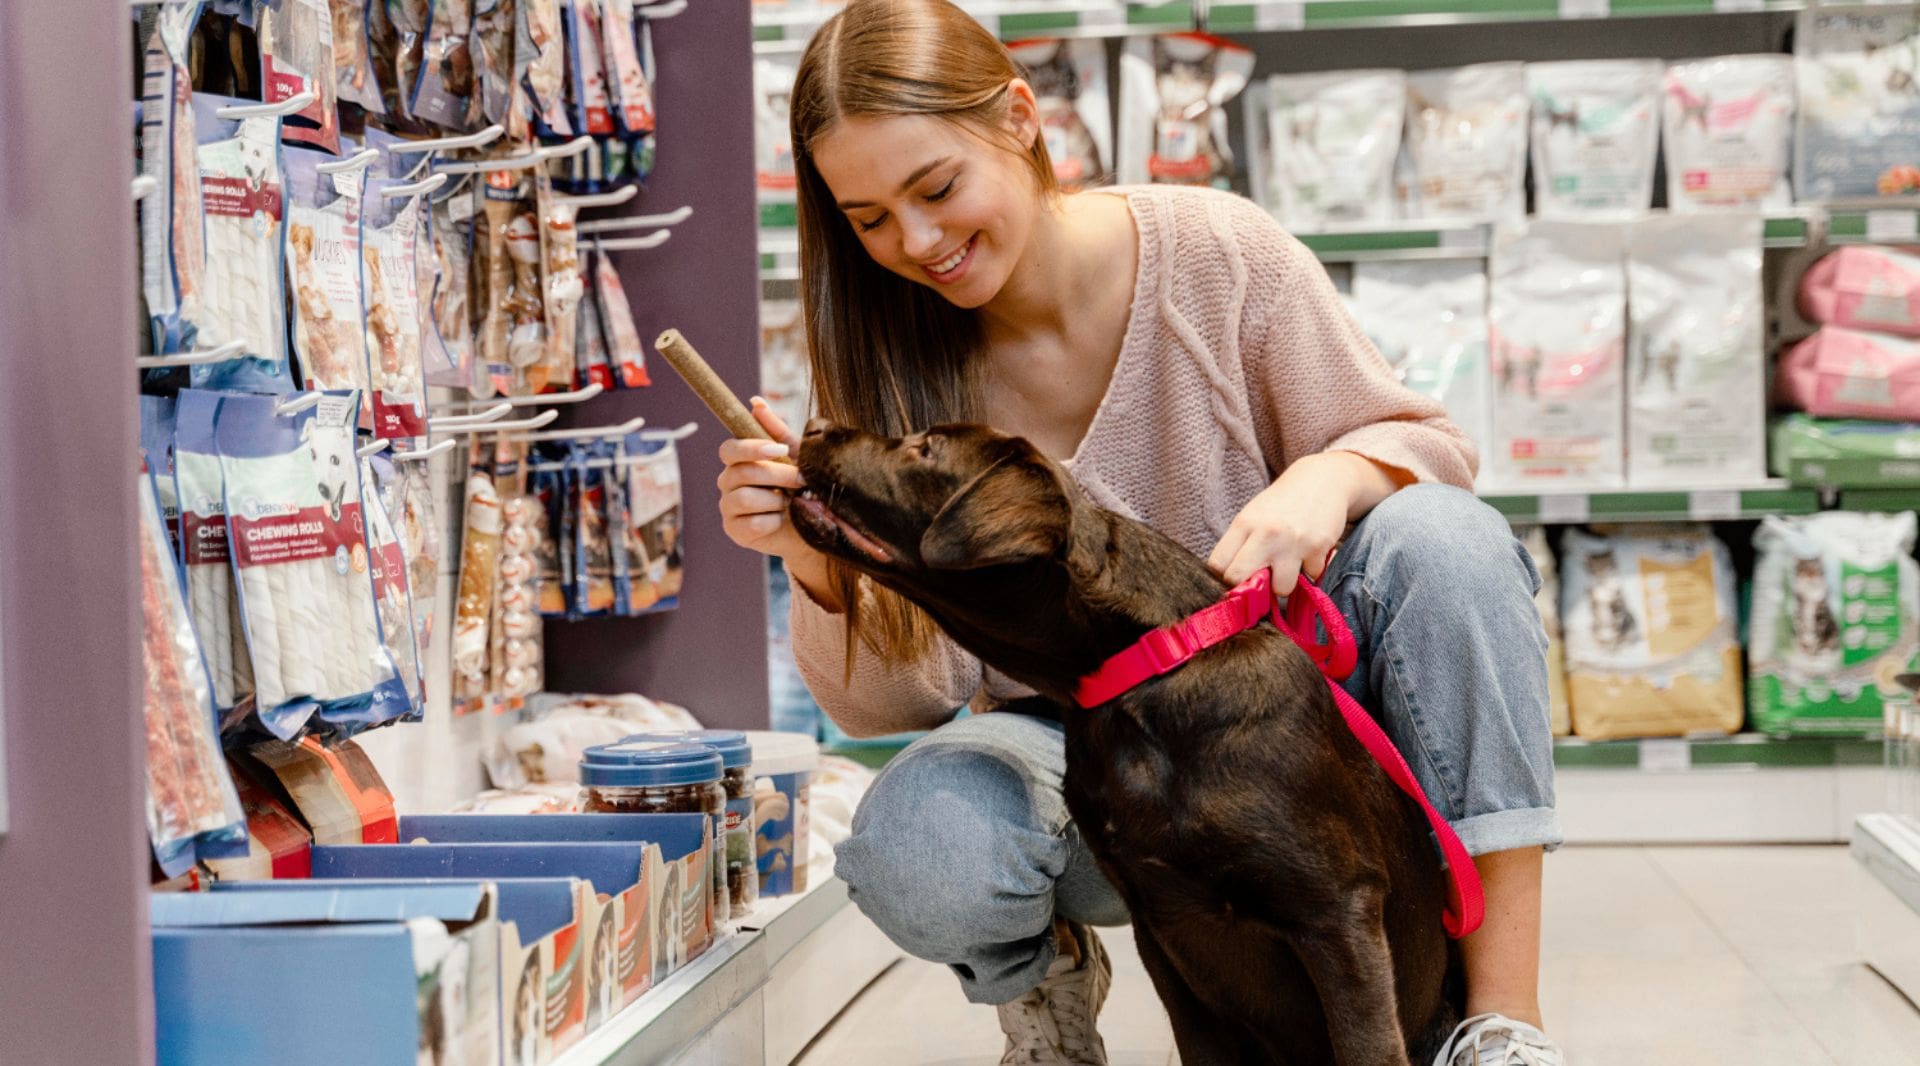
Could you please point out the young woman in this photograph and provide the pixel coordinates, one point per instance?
(1192, 367)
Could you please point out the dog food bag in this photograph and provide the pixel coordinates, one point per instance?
(1596, 131)
(353, 78)
(1836, 617)
(624, 349)
(392, 592)
(443, 92)
(479, 579)
(173, 250)
(300, 560)
(296, 56)
(1556, 337)
(1174, 92)
(1548, 601)
(1728, 126)
(654, 500)
(1866, 287)
(1696, 408)
(1429, 319)
(323, 272)
(448, 324)
(213, 599)
(1329, 145)
(1846, 453)
(564, 289)
(1648, 621)
(1848, 373)
(772, 139)
(243, 299)
(629, 79)
(389, 278)
(1069, 79)
(1858, 129)
(1466, 144)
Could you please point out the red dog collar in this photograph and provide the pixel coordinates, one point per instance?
(1163, 650)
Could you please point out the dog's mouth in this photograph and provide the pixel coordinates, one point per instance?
(807, 507)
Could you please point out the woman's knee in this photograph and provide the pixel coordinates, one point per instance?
(1428, 530)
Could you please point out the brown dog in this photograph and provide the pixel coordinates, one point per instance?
(1285, 896)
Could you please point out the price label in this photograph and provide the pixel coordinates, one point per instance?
(1104, 16)
(1584, 9)
(1735, 7)
(1666, 756)
(1892, 225)
(1716, 506)
(1279, 16)
(1564, 507)
(1473, 240)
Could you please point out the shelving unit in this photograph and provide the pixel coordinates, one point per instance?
(788, 30)
(1269, 15)
(1635, 505)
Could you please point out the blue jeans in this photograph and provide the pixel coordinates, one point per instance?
(963, 851)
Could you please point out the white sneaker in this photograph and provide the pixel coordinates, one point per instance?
(1053, 1025)
(1497, 1040)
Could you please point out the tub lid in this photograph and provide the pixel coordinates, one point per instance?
(782, 753)
(649, 764)
(730, 743)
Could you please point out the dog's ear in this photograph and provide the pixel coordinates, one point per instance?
(1013, 511)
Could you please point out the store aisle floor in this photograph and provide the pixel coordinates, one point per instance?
(1653, 956)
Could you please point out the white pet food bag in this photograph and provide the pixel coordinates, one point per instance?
(772, 137)
(1556, 338)
(1429, 319)
(1174, 91)
(1069, 79)
(1548, 601)
(1327, 146)
(1466, 146)
(1596, 131)
(1651, 647)
(1858, 133)
(1836, 618)
(1696, 407)
(1728, 125)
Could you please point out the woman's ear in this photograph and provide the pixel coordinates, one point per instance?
(1023, 113)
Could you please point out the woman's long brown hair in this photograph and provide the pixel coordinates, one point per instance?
(888, 355)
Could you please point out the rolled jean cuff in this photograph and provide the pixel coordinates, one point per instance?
(1528, 827)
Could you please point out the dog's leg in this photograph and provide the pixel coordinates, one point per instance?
(1203, 1037)
(1352, 967)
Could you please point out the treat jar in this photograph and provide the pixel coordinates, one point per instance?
(661, 777)
(736, 760)
(784, 764)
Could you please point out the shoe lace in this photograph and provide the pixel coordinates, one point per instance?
(1495, 1040)
(1053, 1020)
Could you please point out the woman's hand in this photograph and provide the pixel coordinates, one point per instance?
(753, 501)
(1293, 525)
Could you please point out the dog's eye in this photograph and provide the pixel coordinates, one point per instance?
(924, 448)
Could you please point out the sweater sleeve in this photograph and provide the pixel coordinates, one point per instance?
(877, 698)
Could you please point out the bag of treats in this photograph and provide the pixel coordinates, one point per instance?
(624, 350)
(517, 648)
(1696, 408)
(492, 50)
(1858, 126)
(213, 597)
(1847, 373)
(772, 135)
(296, 56)
(590, 102)
(158, 418)
(1548, 601)
(1867, 287)
(1728, 127)
(1466, 147)
(353, 77)
(540, 66)
(653, 506)
(173, 250)
(498, 288)
(242, 300)
(560, 274)
(443, 93)
(590, 366)
(323, 272)
(1429, 319)
(417, 524)
(393, 596)
(1596, 131)
(1330, 144)
(449, 322)
(399, 392)
(629, 79)
(479, 579)
(409, 19)
(1069, 80)
(1174, 91)
(553, 555)
(592, 537)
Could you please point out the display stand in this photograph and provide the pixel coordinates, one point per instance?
(1886, 849)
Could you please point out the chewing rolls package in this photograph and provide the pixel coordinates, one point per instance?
(1174, 92)
(243, 301)
(443, 92)
(653, 506)
(1728, 128)
(392, 593)
(624, 349)
(206, 559)
(1858, 128)
(772, 136)
(1429, 319)
(1848, 373)
(409, 21)
(1069, 80)
(300, 558)
(1696, 407)
(1836, 619)
(389, 277)
(479, 563)
(1649, 628)
(1330, 142)
(323, 272)
(1596, 131)
(1557, 341)
(1466, 144)
(173, 250)
(296, 56)
(1865, 287)
(192, 810)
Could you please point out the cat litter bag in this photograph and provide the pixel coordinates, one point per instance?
(1868, 287)
(1328, 143)
(1534, 538)
(1858, 128)
(1696, 402)
(1174, 92)
(173, 250)
(242, 193)
(1069, 79)
(1728, 127)
(323, 235)
(1849, 373)
(1429, 319)
(213, 598)
(1596, 131)
(390, 280)
(1649, 625)
(1836, 617)
(1557, 339)
(1465, 157)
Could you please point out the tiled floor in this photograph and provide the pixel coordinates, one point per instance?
(1652, 956)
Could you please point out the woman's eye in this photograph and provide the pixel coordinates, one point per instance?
(945, 191)
(869, 227)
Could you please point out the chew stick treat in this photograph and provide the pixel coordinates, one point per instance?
(707, 385)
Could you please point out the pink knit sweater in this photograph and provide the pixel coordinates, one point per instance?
(1239, 358)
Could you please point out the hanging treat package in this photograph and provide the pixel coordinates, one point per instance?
(436, 361)
(540, 60)
(213, 598)
(591, 366)
(1696, 364)
(388, 272)
(323, 272)
(409, 18)
(502, 273)
(1069, 80)
(1466, 146)
(1858, 128)
(1596, 132)
(590, 102)
(1728, 127)
(353, 77)
(1650, 641)
(624, 350)
(517, 647)
(417, 523)
(560, 274)
(1547, 600)
(1847, 373)
(192, 810)
(1429, 319)
(492, 51)
(525, 298)
(157, 421)
(1557, 341)
(443, 94)
(392, 590)
(479, 564)
(653, 503)
(1174, 91)
(173, 251)
(1327, 145)
(785, 378)
(553, 555)
(639, 142)
(772, 134)
(295, 521)
(1864, 287)
(629, 79)
(296, 56)
(243, 299)
(448, 325)
(592, 539)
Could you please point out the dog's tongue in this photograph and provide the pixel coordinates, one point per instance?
(872, 548)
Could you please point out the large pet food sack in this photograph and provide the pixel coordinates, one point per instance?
(1429, 319)
(1557, 339)
(1174, 92)
(1846, 453)
(1865, 287)
(1696, 408)
(1858, 133)
(1327, 146)
(1836, 618)
(1847, 373)
(1466, 146)
(1069, 80)
(1548, 600)
(1596, 130)
(1648, 621)
(1728, 126)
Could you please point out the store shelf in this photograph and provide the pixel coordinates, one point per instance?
(1885, 500)
(1698, 505)
(1885, 224)
(1743, 750)
(789, 27)
(1369, 14)
(1472, 241)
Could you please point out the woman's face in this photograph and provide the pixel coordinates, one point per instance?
(933, 201)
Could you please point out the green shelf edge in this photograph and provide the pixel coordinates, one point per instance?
(1633, 506)
(779, 215)
(1880, 499)
(1852, 225)
(1381, 241)
(1747, 749)
(1334, 14)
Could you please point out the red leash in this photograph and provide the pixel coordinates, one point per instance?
(1244, 606)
